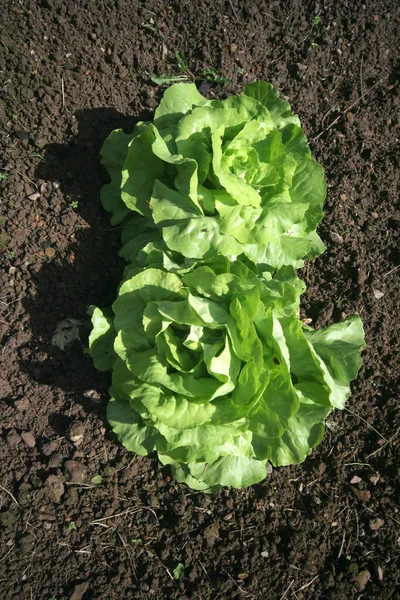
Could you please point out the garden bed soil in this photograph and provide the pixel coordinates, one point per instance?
(80, 517)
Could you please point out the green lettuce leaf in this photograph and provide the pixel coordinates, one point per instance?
(233, 178)
(214, 370)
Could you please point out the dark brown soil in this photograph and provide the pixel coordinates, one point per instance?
(71, 71)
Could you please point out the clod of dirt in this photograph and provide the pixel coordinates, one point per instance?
(362, 495)
(362, 579)
(13, 439)
(76, 471)
(22, 405)
(5, 389)
(24, 494)
(26, 543)
(376, 524)
(50, 252)
(79, 591)
(54, 488)
(211, 534)
(76, 433)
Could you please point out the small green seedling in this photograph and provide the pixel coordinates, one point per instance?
(150, 27)
(166, 79)
(209, 74)
(39, 156)
(317, 20)
(74, 204)
(72, 526)
(97, 479)
(3, 176)
(179, 571)
(213, 76)
(182, 63)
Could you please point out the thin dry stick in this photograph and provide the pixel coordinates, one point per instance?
(286, 591)
(306, 585)
(368, 424)
(342, 545)
(11, 496)
(391, 271)
(7, 553)
(233, 10)
(347, 110)
(126, 512)
(383, 446)
(128, 552)
(62, 93)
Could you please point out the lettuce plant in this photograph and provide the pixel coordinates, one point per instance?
(212, 367)
(232, 177)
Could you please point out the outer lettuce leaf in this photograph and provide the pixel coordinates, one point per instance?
(267, 95)
(101, 339)
(113, 154)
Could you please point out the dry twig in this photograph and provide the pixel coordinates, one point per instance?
(369, 90)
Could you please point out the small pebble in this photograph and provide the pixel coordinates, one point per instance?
(355, 479)
(362, 579)
(34, 196)
(362, 495)
(376, 524)
(378, 294)
(56, 184)
(337, 238)
(29, 439)
(22, 405)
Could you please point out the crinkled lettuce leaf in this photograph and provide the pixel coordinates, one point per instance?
(233, 177)
(214, 370)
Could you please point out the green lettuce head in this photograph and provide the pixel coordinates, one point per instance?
(213, 369)
(234, 177)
